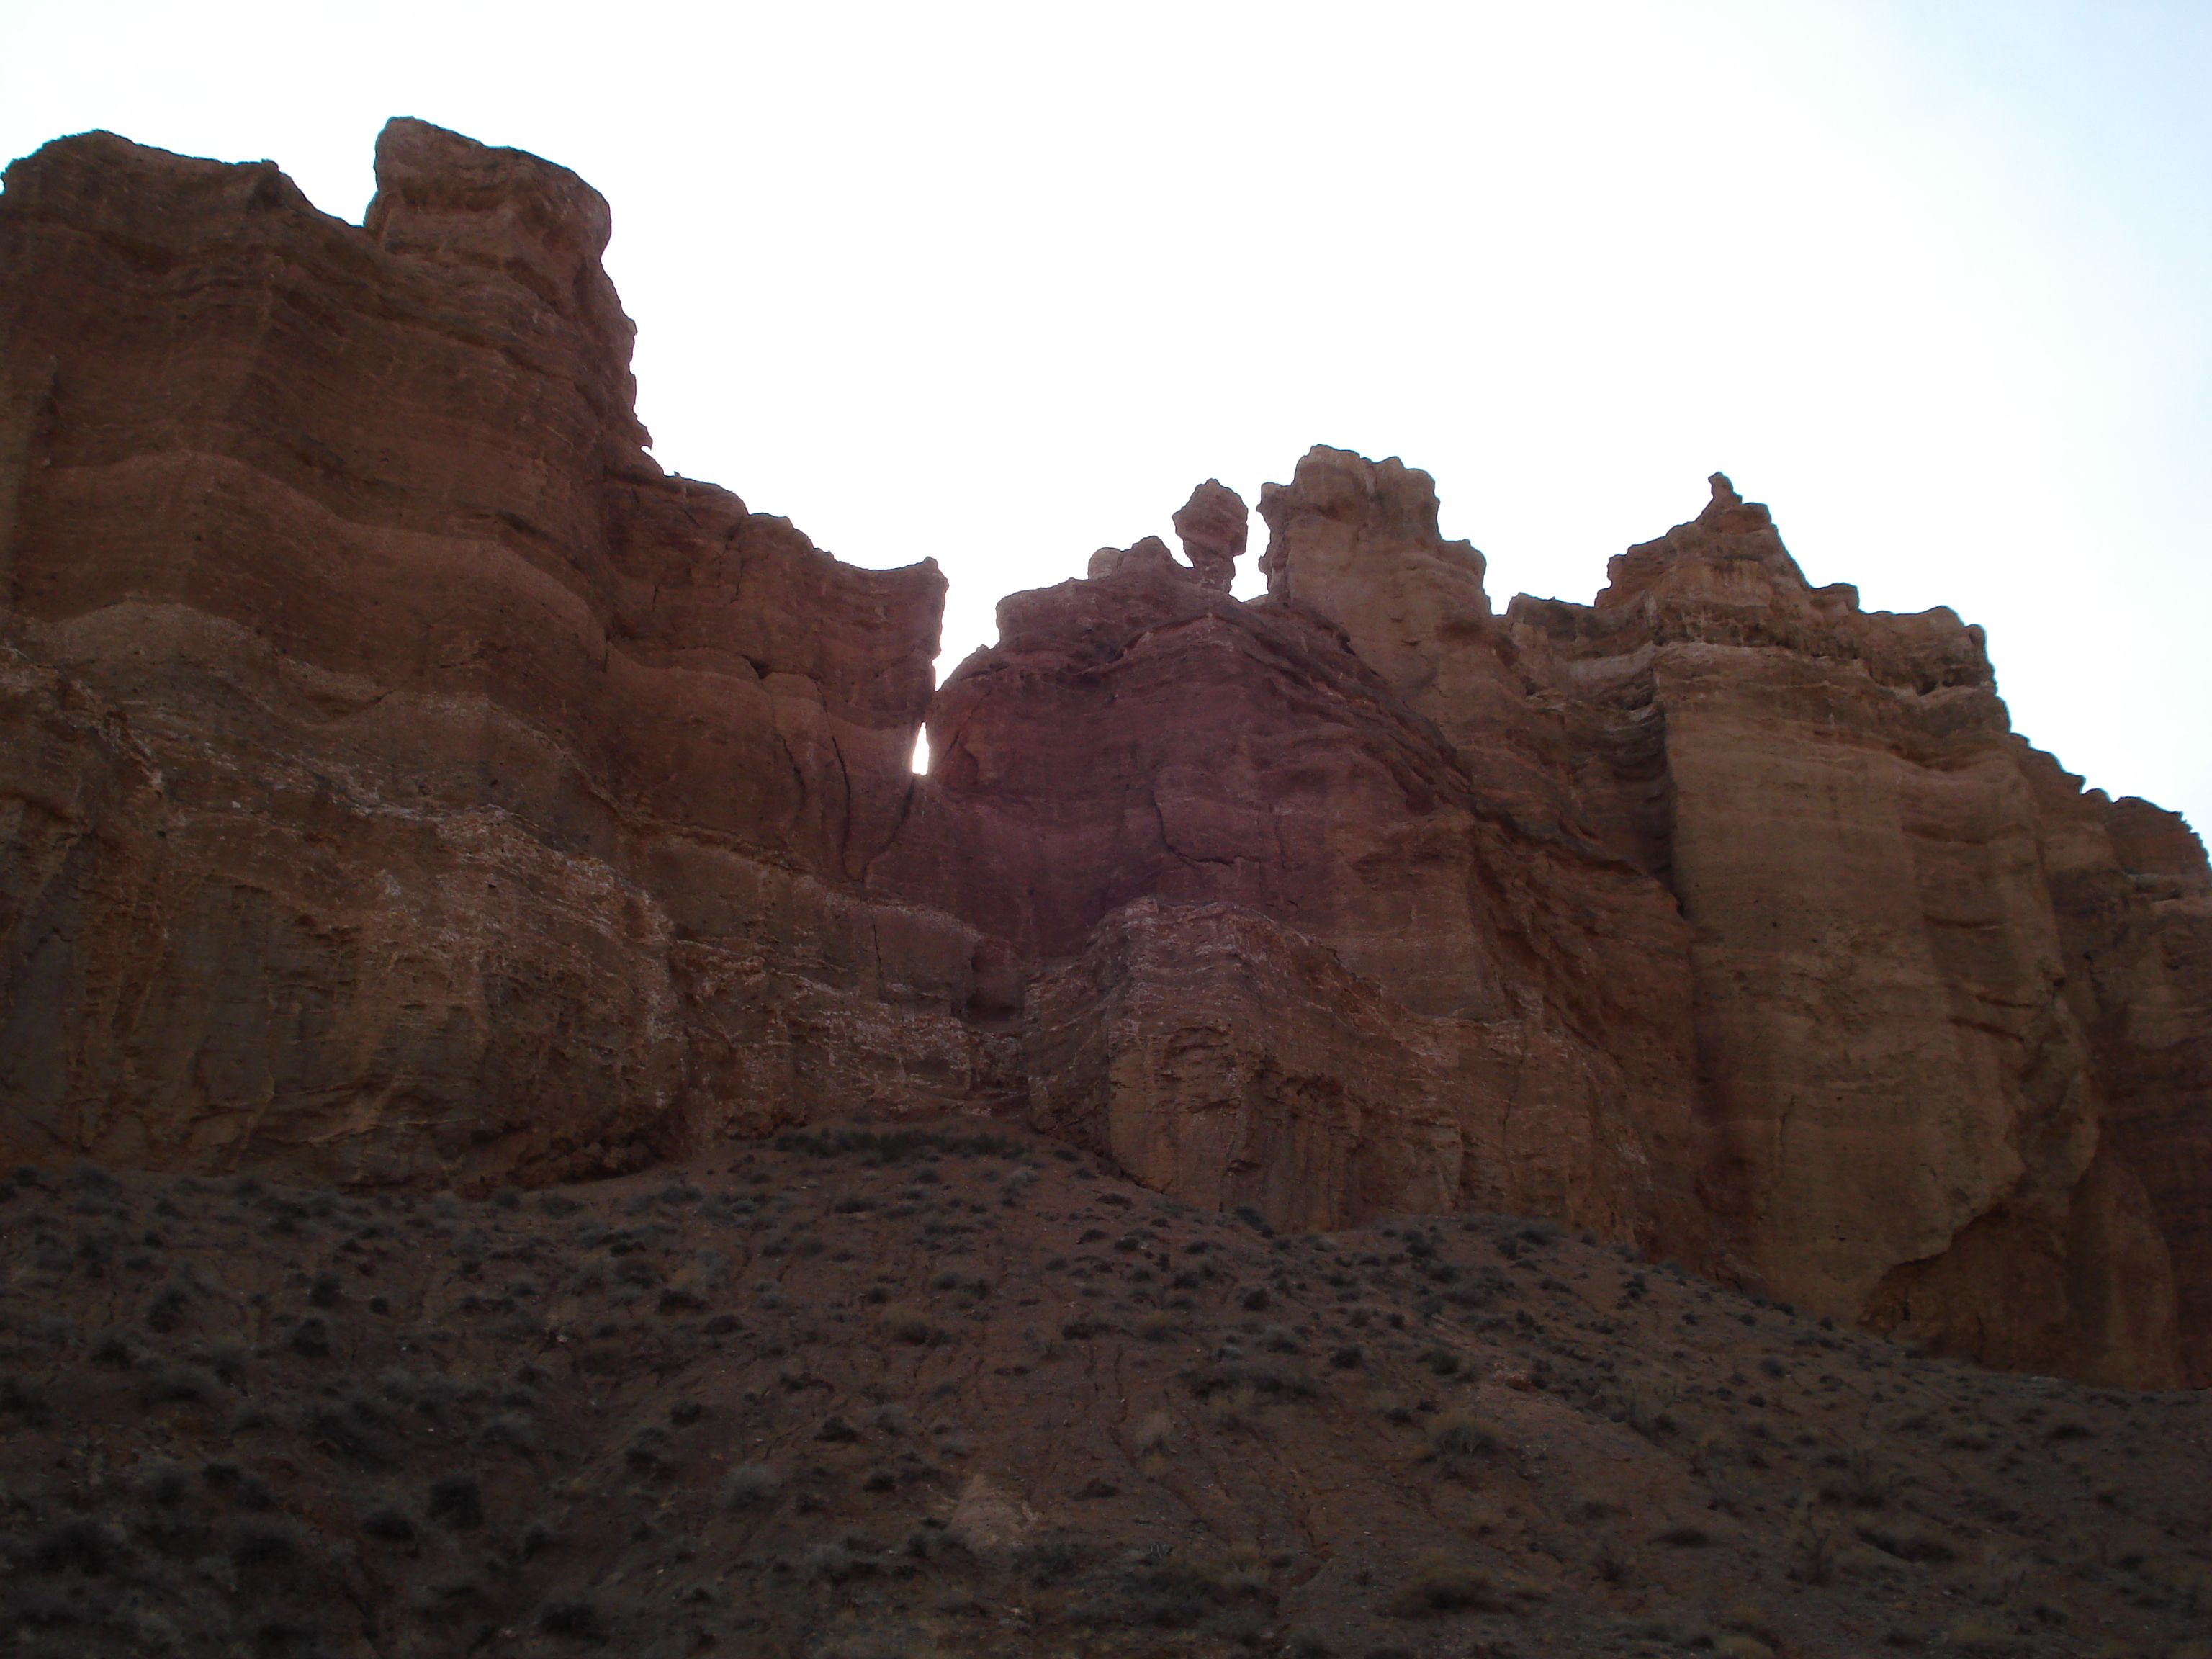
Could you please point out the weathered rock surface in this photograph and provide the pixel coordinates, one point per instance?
(1214, 526)
(1142, 736)
(1897, 984)
(403, 781)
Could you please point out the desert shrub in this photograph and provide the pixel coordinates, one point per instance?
(1274, 1381)
(1237, 1410)
(1389, 1407)
(1153, 1432)
(311, 1337)
(456, 1502)
(266, 1542)
(164, 1484)
(510, 1429)
(170, 1385)
(647, 1453)
(1646, 1412)
(836, 1430)
(83, 1545)
(388, 1524)
(1051, 1559)
(1161, 1598)
(1460, 1434)
(1866, 1483)
(1685, 1537)
(570, 1618)
(830, 1562)
(1815, 1548)
(1609, 1560)
(1439, 1582)
(912, 1325)
(751, 1486)
(21, 1399)
(1254, 1299)
(167, 1310)
(324, 1292)
(1442, 1361)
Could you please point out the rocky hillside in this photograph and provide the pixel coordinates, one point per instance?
(876, 1392)
(407, 786)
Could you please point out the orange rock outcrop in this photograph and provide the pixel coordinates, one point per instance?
(404, 781)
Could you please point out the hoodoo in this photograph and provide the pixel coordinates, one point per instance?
(404, 781)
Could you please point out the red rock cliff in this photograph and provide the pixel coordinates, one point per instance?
(405, 782)
(1931, 1094)
(405, 776)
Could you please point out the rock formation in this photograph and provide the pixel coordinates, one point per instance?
(1895, 1018)
(405, 782)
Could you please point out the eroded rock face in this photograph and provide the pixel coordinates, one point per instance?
(416, 782)
(404, 781)
(1280, 815)
(1895, 1014)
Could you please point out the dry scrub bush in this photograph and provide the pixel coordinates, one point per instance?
(1153, 1433)
(1439, 1582)
(751, 1486)
(1237, 1411)
(1462, 1434)
(1815, 1547)
(912, 1325)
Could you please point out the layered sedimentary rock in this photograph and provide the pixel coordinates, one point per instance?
(1140, 735)
(1895, 1013)
(404, 780)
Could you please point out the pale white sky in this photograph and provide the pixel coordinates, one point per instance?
(999, 282)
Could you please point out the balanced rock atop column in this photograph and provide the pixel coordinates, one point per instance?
(1213, 526)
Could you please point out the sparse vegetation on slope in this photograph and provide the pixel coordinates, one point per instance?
(838, 1394)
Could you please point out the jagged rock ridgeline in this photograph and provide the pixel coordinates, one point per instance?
(406, 781)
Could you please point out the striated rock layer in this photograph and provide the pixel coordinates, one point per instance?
(406, 779)
(1910, 1039)
(405, 782)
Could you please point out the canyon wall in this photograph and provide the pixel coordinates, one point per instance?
(405, 782)
(1899, 1002)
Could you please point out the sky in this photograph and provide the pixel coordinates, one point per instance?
(998, 283)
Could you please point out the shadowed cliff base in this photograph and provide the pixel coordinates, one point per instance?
(408, 785)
